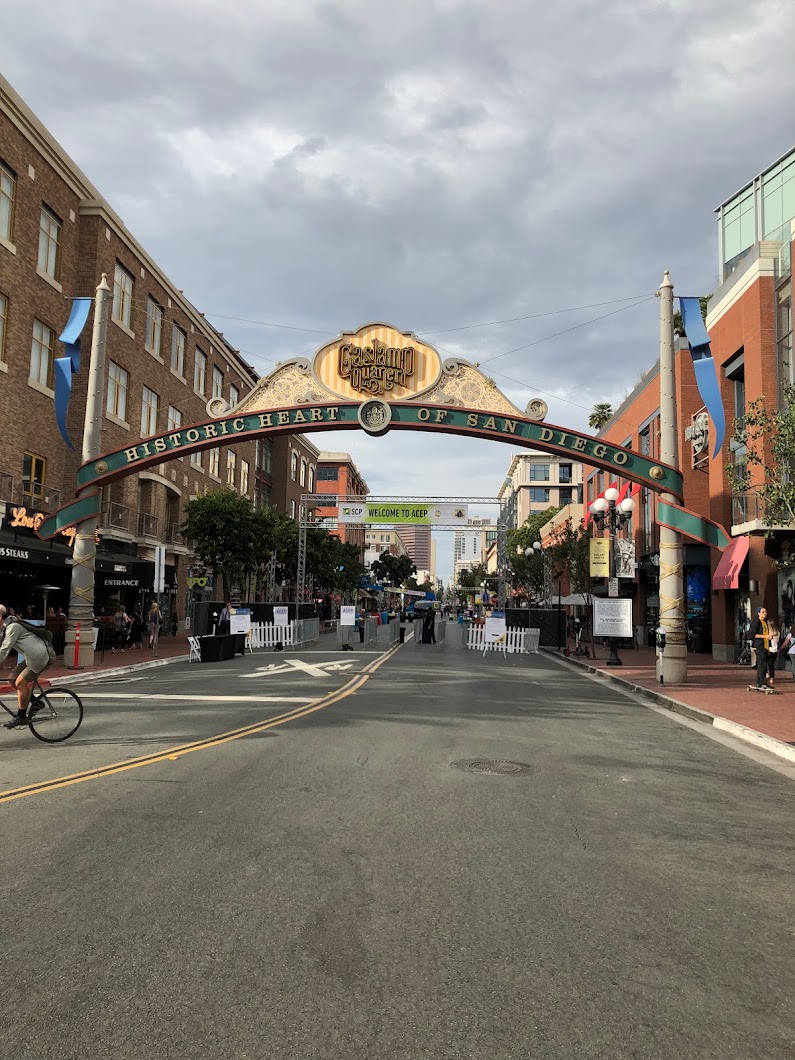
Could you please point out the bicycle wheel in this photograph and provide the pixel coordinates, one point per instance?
(57, 715)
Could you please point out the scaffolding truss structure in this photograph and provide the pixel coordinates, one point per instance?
(310, 502)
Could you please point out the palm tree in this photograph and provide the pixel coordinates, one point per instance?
(602, 413)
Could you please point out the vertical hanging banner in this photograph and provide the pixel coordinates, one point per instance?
(66, 367)
(160, 569)
(704, 367)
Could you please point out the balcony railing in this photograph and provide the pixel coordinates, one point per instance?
(746, 507)
(173, 535)
(38, 495)
(148, 525)
(117, 516)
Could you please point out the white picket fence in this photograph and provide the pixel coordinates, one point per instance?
(517, 640)
(268, 635)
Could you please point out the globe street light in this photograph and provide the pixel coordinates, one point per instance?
(609, 515)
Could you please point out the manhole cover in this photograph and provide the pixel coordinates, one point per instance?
(495, 767)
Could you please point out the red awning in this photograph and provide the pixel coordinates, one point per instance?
(727, 572)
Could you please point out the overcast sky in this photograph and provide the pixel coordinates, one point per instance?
(429, 163)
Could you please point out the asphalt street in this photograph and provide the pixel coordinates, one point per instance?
(312, 863)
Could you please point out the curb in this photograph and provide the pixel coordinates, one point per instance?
(734, 728)
(117, 671)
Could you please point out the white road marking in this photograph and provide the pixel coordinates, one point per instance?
(313, 670)
(150, 696)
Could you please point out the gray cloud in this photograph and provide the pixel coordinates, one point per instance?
(433, 164)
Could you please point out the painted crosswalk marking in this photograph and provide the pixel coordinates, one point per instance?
(324, 669)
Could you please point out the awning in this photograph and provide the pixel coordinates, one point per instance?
(573, 600)
(727, 573)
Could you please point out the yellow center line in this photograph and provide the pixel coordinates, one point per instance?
(173, 753)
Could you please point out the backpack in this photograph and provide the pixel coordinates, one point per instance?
(40, 631)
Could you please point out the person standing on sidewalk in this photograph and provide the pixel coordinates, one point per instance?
(759, 635)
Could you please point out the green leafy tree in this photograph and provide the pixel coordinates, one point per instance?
(601, 414)
(474, 577)
(394, 569)
(221, 525)
(570, 551)
(764, 447)
(528, 572)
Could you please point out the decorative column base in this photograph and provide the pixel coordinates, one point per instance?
(672, 664)
(614, 659)
(85, 657)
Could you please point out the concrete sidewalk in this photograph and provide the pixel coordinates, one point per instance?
(169, 649)
(716, 693)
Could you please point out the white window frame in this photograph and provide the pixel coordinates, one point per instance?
(199, 371)
(214, 463)
(244, 477)
(179, 341)
(293, 465)
(150, 411)
(218, 382)
(154, 326)
(118, 390)
(8, 188)
(231, 468)
(3, 325)
(234, 396)
(41, 354)
(174, 419)
(302, 476)
(50, 228)
(123, 293)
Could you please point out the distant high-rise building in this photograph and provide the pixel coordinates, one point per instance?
(417, 540)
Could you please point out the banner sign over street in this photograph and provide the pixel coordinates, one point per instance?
(404, 513)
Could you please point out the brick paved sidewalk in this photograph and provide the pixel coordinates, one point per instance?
(169, 648)
(718, 688)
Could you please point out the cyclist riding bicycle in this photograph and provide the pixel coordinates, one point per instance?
(38, 654)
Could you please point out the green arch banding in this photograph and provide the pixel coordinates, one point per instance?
(305, 419)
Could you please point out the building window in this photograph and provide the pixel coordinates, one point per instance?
(49, 243)
(539, 496)
(3, 324)
(174, 419)
(234, 397)
(178, 351)
(565, 473)
(784, 330)
(218, 383)
(149, 405)
(294, 466)
(302, 479)
(213, 463)
(231, 468)
(154, 326)
(292, 509)
(41, 354)
(310, 482)
(564, 497)
(34, 475)
(328, 474)
(778, 196)
(200, 372)
(122, 295)
(8, 184)
(244, 476)
(739, 228)
(196, 460)
(118, 382)
(538, 473)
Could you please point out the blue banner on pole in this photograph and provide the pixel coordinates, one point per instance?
(704, 367)
(67, 367)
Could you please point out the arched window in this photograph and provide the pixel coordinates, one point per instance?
(294, 465)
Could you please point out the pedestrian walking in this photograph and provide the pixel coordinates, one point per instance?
(760, 636)
(121, 629)
(153, 620)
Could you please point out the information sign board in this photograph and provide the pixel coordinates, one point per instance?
(612, 618)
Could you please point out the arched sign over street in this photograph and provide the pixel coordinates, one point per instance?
(379, 379)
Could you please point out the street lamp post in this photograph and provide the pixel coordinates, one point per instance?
(611, 516)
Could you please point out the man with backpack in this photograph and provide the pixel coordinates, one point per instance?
(34, 644)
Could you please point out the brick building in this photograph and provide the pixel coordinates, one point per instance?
(338, 476)
(294, 461)
(164, 361)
